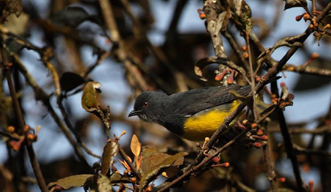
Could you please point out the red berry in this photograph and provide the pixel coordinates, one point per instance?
(216, 159)
(298, 18)
(257, 145)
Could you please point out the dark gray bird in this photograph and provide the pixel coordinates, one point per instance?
(194, 114)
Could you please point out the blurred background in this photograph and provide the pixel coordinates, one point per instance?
(161, 41)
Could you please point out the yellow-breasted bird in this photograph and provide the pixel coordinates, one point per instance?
(194, 114)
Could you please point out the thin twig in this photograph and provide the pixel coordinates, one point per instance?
(313, 2)
(69, 125)
(317, 131)
(125, 157)
(55, 75)
(299, 150)
(307, 70)
(101, 57)
(235, 48)
(11, 136)
(271, 175)
(252, 75)
(7, 178)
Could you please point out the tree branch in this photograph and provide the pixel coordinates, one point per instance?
(19, 115)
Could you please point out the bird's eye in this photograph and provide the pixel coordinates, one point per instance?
(146, 104)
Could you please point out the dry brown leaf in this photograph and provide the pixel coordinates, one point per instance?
(135, 146)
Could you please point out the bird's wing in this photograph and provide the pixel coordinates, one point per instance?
(196, 100)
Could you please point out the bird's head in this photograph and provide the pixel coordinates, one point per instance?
(149, 106)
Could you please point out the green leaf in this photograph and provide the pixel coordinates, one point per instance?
(71, 181)
(91, 105)
(89, 98)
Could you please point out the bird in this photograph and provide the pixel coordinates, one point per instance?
(194, 114)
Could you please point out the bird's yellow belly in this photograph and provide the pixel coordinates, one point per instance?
(204, 124)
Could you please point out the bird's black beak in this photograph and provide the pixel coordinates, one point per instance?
(134, 113)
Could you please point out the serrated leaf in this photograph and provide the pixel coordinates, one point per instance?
(295, 3)
(109, 152)
(135, 146)
(154, 162)
(70, 81)
(89, 98)
(71, 181)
